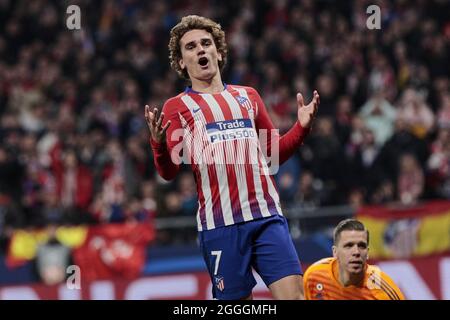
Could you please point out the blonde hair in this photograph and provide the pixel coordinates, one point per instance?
(189, 23)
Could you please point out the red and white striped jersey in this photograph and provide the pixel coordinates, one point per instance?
(219, 135)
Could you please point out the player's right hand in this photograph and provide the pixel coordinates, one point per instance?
(157, 131)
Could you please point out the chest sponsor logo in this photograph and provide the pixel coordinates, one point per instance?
(230, 130)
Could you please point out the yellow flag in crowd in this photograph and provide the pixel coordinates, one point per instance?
(23, 244)
(407, 232)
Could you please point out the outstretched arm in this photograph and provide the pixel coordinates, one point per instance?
(290, 141)
(159, 130)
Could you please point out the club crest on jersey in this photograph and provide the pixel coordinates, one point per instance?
(319, 293)
(244, 102)
(220, 283)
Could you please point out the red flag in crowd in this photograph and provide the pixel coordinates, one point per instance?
(114, 250)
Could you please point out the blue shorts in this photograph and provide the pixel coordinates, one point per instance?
(231, 252)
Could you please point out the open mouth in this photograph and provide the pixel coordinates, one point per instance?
(203, 61)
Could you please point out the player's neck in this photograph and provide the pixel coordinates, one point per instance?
(214, 85)
(347, 279)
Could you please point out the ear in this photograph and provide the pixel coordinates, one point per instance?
(334, 251)
(182, 64)
(219, 56)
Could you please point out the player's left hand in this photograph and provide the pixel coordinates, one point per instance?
(307, 113)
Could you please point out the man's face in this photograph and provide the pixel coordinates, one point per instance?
(351, 251)
(199, 55)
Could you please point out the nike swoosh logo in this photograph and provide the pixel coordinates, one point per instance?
(195, 110)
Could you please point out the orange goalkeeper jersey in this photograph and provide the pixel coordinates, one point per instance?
(320, 282)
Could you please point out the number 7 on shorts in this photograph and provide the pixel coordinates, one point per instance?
(218, 254)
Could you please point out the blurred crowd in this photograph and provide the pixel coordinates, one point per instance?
(74, 142)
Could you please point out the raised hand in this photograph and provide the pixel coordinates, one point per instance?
(158, 133)
(307, 113)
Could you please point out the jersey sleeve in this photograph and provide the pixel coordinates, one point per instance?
(390, 289)
(386, 289)
(288, 142)
(308, 282)
(166, 157)
(306, 286)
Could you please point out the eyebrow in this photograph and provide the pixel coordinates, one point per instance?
(194, 41)
(358, 243)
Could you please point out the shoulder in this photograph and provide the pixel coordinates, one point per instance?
(173, 103)
(382, 285)
(323, 262)
(237, 86)
(174, 100)
(249, 90)
(321, 266)
(391, 286)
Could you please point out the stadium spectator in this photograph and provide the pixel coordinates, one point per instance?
(379, 116)
(73, 181)
(327, 162)
(439, 162)
(384, 194)
(188, 193)
(410, 182)
(311, 191)
(287, 179)
(52, 259)
(415, 113)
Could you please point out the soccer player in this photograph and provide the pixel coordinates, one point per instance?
(216, 126)
(347, 276)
